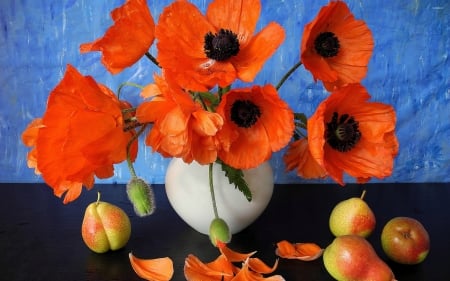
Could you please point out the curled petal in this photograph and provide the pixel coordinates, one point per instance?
(300, 251)
(219, 269)
(233, 256)
(159, 269)
(299, 157)
(259, 266)
(246, 274)
(150, 91)
(29, 136)
(206, 123)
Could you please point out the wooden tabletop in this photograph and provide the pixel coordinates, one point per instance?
(40, 237)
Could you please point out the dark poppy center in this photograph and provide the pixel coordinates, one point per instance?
(222, 45)
(327, 44)
(245, 113)
(342, 133)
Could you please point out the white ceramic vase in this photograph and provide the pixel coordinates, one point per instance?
(188, 191)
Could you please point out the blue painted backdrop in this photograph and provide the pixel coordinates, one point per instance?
(410, 69)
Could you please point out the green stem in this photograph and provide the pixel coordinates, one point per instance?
(286, 76)
(223, 91)
(211, 189)
(129, 162)
(128, 84)
(152, 58)
(199, 97)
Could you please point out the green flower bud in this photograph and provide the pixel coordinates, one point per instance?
(141, 195)
(219, 231)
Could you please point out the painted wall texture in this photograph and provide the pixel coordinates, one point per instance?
(410, 70)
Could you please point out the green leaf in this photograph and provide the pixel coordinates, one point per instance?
(236, 177)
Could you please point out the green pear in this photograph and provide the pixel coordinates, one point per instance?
(352, 216)
(352, 258)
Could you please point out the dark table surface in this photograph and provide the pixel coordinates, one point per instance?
(40, 237)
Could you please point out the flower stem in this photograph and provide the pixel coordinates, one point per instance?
(129, 162)
(127, 84)
(286, 76)
(152, 58)
(211, 189)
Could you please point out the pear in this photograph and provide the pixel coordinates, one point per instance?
(352, 258)
(352, 216)
(105, 227)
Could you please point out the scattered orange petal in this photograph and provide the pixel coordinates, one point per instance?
(234, 256)
(246, 274)
(218, 270)
(159, 269)
(300, 251)
(259, 266)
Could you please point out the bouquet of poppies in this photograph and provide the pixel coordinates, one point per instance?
(191, 110)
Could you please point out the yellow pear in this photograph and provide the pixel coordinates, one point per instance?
(352, 216)
(105, 227)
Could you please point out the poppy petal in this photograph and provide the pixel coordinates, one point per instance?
(251, 58)
(29, 136)
(218, 270)
(159, 269)
(299, 157)
(232, 255)
(240, 16)
(300, 251)
(128, 39)
(259, 266)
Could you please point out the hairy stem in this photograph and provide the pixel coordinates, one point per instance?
(286, 76)
(211, 189)
(152, 58)
(129, 162)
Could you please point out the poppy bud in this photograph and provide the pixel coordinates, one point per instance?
(141, 195)
(219, 232)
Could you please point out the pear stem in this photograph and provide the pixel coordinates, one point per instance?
(363, 194)
(98, 197)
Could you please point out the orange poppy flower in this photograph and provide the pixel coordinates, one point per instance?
(300, 251)
(128, 39)
(80, 136)
(257, 122)
(336, 47)
(159, 269)
(299, 157)
(347, 133)
(199, 52)
(181, 127)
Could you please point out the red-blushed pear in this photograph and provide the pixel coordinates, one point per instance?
(405, 240)
(352, 216)
(105, 227)
(352, 258)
